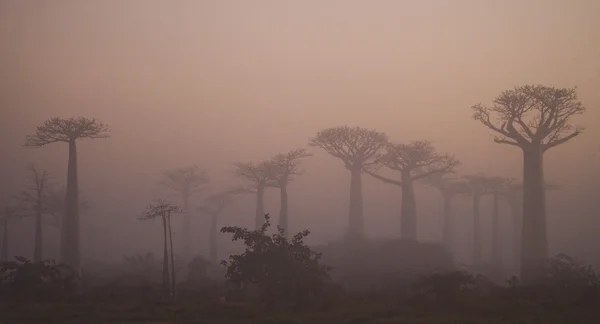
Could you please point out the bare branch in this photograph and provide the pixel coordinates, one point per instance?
(285, 166)
(187, 180)
(64, 130)
(159, 208)
(384, 179)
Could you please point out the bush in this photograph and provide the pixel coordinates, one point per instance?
(444, 288)
(282, 270)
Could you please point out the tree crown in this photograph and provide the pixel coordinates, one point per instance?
(188, 180)
(159, 208)
(65, 130)
(286, 165)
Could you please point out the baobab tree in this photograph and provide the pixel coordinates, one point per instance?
(163, 209)
(478, 185)
(186, 182)
(10, 212)
(449, 187)
(33, 199)
(213, 206)
(497, 185)
(358, 148)
(286, 168)
(260, 176)
(534, 118)
(69, 131)
(414, 161)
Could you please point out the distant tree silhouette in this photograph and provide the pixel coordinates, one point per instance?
(357, 147)
(10, 212)
(497, 186)
(186, 181)
(478, 186)
(33, 198)
(534, 118)
(286, 168)
(414, 161)
(449, 187)
(213, 206)
(69, 131)
(161, 208)
(260, 176)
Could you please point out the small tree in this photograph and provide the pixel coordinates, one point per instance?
(213, 206)
(260, 176)
(497, 185)
(34, 198)
(286, 167)
(414, 161)
(163, 209)
(478, 185)
(69, 131)
(534, 118)
(283, 270)
(186, 181)
(357, 147)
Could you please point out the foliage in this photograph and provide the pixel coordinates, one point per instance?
(444, 287)
(282, 270)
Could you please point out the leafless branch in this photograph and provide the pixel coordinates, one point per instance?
(64, 130)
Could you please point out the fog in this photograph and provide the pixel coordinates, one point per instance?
(217, 82)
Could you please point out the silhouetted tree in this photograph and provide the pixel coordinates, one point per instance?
(69, 131)
(414, 161)
(497, 185)
(163, 209)
(534, 118)
(449, 187)
(213, 206)
(186, 181)
(478, 186)
(261, 176)
(10, 212)
(286, 167)
(357, 147)
(33, 198)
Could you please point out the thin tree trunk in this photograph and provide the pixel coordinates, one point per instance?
(355, 214)
(166, 284)
(71, 245)
(408, 216)
(448, 227)
(283, 209)
(4, 252)
(37, 249)
(496, 258)
(476, 231)
(213, 239)
(534, 237)
(173, 281)
(515, 211)
(259, 218)
(187, 223)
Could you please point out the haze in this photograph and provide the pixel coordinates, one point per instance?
(217, 82)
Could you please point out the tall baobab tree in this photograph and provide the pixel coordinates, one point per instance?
(534, 118)
(213, 206)
(478, 186)
(186, 181)
(163, 209)
(449, 187)
(261, 176)
(357, 147)
(414, 161)
(497, 185)
(34, 199)
(10, 212)
(286, 167)
(69, 131)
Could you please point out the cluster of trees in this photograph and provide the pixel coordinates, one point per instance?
(534, 118)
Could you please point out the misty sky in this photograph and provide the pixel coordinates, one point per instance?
(215, 82)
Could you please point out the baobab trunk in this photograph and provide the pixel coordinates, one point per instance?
(448, 227)
(213, 239)
(515, 211)
(259, 218)
(187, 239)
(496, 259)
(355, 213)
(173, 281)
(4, 252)
(534, 240)
(165, 257)
(408, 216)
(476, 231)
(37, 248)
(71, 253)
(283, 210)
